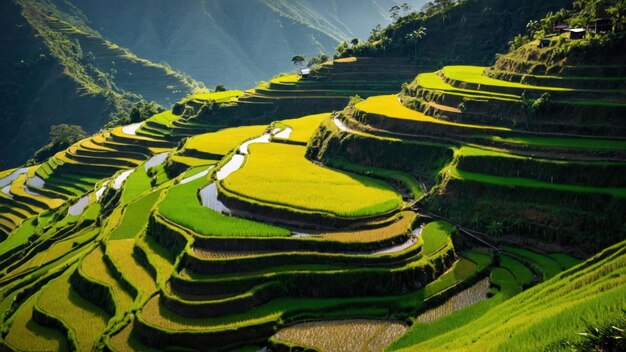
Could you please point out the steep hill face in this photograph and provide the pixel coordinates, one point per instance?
(471, 32)
(234, 43)
(55, 70)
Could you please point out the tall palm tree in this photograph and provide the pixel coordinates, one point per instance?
(416, 36)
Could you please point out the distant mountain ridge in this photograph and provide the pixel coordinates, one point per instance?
(232, 42)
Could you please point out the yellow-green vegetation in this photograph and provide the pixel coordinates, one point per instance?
(26, 335)
(532, 184)
(550, 314)
(222, 142)
(218, 97)
(389, 106)
(343, 335)
(85, 321)
(279, 174)
(396, 228)
(121, 254)
(135, 217)
(475, 74)
(137, 183)
(286, 79)
(304, 127)
(93, 267)
(181, 205)
(436, 236)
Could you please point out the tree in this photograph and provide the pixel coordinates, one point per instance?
(66, 134)
(220, 88)
(406, 8)
(61, 137)
(416, 36)
(375, 34)
(298, 60)
(135, 115)
(618, 15)
(354, 42)
(395, 12)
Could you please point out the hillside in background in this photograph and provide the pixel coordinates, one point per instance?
(461, 32)
(233, 43)
(57, 72)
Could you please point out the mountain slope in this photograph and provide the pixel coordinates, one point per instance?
(56, 72)
(234, 43)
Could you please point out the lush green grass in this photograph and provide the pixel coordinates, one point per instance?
(545, 315)
(522, 273)
(564, 142)
(388, 105)
(530, 183)
(164, 118)
(564, 260)
(137, 183)
(280, 174)
(135, 217)
(436, 236)
(474, 74)
(304, 127)
(222, 142)
(18, 237)
(461, 270)
(182, 206)
(548, 265)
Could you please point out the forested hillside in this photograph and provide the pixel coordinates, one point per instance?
(236, 43)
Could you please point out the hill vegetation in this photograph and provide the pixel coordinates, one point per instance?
(474, 208)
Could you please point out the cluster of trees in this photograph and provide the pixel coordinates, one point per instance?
(583, 14)
(134, 113)
(61, 137)
(586, 11)
(300, 60)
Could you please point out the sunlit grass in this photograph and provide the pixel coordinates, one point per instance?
(279, 174)
(182, 206)
(389, 106)
(222, 142)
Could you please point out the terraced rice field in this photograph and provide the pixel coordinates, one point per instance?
(347, 335)
(389, 106)
(222, 142)
(169, 258)
(280, 175)
(182, 206)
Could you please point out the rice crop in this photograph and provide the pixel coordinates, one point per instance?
(304, 127)
(93, 266)
(223, 141)
(343, 335)
(279, 174)
(436, 235)
(388, 105)
(399, 227)
(121, 254)
(181, 205)
(548, 265)
(135, 217)
(86, 320)
(26, 335)
(465, 298)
